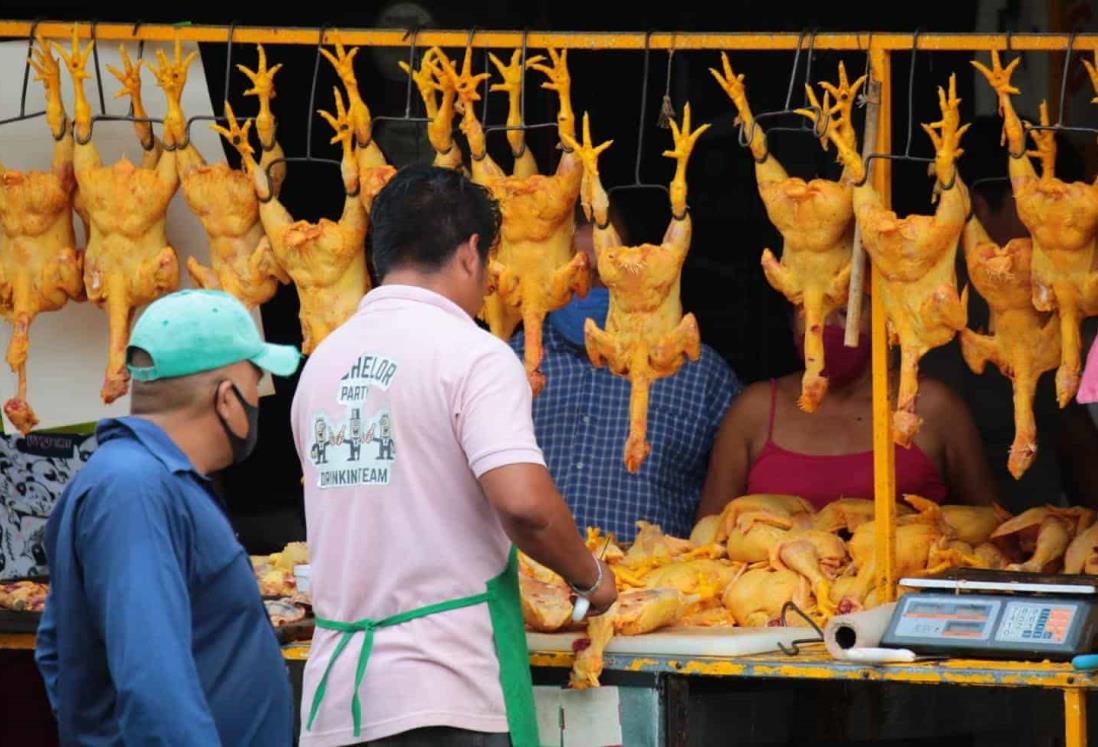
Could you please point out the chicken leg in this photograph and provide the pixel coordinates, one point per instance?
(440, 110)
(374, 171)
(647, 337)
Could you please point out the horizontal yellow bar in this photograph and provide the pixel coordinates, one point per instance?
(561, 39)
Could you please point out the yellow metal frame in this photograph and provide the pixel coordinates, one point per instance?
(880, 46)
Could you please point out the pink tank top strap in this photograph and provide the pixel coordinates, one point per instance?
(773, 410)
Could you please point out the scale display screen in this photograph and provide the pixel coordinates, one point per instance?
(946, 617)
(993, 626)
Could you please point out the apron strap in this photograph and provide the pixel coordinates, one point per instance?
(368, 626)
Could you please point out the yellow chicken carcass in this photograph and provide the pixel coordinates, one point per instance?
(128, 261)
(502, 318)
(1082, 553)
(1041, 536)
(373, 170)
(546, 607)
(847, 514)
(973, 524)
(704, 577)
(652, 548)
(705, 531)
(915, 257)
(224, 200)
(815, 219)
(818, 556)
(636, 612)
(1023, 343)
(647, 337)
(327, 259)
(785, 511)
(1062, 220)
(756, 599)
(535, 269)
(924, 546)
(753, 545)
(40, 266)
(991, 556)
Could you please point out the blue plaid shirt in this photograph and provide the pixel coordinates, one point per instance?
(582, 420)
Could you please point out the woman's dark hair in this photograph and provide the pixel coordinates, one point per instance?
(421, 216)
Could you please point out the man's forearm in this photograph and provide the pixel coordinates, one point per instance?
(555, 543)
(538, 521)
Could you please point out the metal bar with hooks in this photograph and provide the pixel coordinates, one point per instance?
(609, 40)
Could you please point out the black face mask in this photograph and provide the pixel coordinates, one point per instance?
(242, 446)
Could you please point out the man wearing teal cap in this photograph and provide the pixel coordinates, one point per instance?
(154, 631)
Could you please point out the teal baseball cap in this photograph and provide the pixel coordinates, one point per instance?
(192, 331)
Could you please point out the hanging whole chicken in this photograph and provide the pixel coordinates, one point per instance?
(915, 256)
(40, 266)
(224, 200)
(326, 259)
(647, 337)
(1062, 218)
(1023, 342)
(128, 261)
(536, 269)
(815, 219)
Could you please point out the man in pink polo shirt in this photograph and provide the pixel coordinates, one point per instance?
(421, 472)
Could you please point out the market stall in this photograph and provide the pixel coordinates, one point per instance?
(748, 594)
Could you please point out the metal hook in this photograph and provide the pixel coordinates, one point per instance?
(228, 60)
(98, 71)
(1064, 75)
(312, 98)
(637, 183)
(911, 89)
(667, 110)
(794, 648)
(414, 34)
(27, 67)
(793, 74)
(522, 83)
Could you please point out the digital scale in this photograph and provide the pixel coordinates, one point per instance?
(988, 614)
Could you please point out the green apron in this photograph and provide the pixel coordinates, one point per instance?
(505, 612)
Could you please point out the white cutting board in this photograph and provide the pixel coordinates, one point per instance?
(682, 641)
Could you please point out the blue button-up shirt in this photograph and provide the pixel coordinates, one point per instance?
(154, 631)
(582, 421)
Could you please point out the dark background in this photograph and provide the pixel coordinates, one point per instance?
(740, 315)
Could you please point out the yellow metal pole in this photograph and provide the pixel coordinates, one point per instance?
(564, 39)
(1075, 717)
(884, 453)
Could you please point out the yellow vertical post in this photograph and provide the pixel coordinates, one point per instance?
(884, 453)
(1075, 717)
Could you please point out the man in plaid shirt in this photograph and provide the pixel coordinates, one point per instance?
(582, 420)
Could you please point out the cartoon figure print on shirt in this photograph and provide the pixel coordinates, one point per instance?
(336, 445)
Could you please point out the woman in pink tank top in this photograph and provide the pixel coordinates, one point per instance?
(766, 444)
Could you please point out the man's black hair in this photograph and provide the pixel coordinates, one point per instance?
(424, 213)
